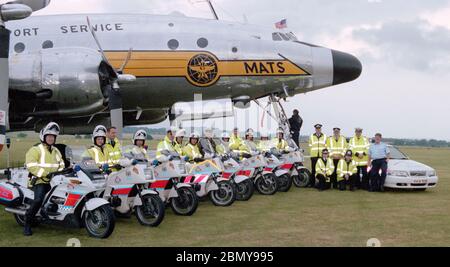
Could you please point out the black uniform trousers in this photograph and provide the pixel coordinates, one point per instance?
(312, 181)
(350, 182)
(323, 184)
(334, 182)
(40, 191)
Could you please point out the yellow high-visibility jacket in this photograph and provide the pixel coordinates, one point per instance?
(248, 147)
(178, 148)
(191, 151)
(114, 152)
(140, 151)
(223, 148)
(235, 143)
(360, 145)
(99, 155)
(265, 146)
(281, 145)
(40, 162)
(164, 145)
(326, 169)
(316, 145)
(346, 168)
(337, 147)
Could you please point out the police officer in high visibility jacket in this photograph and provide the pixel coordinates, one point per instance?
(248, 146)
(317, 143)
(41, 160)
(139, 149)
(265, 144)
(207, 145)
(235, 140)
(346, 172)
(280, 143)
(360, 145)
(166, 146)
(224, 146)
(324, 170)
(98, 152)
(337, 145)
(113, 146)
(191, 150)
(179, 141)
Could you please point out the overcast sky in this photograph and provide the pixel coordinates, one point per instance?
(404, 45)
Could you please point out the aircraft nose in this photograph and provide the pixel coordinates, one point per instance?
(346, 67)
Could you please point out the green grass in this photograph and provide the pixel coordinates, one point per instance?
(301, 217)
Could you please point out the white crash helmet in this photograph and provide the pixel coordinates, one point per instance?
(250, 132)
(280, 131)
(51, 129)
(226, 135)
(140, 135)
(172, 129)
(209, 133)
(180, 133)
(265, 134)
(99, 131)
(194, 135)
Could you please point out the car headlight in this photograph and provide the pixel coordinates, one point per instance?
(399, 173)
(431, 173)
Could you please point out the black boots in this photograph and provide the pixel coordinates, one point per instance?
(27, 230)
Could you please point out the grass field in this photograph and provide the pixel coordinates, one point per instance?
(301, 217)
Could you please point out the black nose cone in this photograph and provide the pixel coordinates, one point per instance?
(346, 67)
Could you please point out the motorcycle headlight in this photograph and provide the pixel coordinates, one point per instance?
(148, 173)
(399, 173)
(431, 173)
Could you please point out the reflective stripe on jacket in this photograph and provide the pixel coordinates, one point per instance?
(164, 146)
(191, 151)
(325, 169)
(360, 145)
(114, 152)
(316, 145)
(346, 168)
(40, 162)
(338, 147)
(98, 155)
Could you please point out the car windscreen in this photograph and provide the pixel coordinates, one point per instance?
(397, 154)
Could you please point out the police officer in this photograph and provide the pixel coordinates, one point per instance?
(265, 145)
(98, 152)
(248, 146)
(166, 146)
(359, 145)
(191, 150)
(224, 146)
(324, 170)
(347, 172)
(317, 143)
(113, 146)
(337, 145)
(280, 143)
(179, 141)
(207, 145)
(41, 160)
(139, 139)
(235, 140)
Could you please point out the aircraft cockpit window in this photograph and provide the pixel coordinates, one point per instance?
(202, 42)
(19, 47)
(47, 44)
(173, 44)
(276, 36)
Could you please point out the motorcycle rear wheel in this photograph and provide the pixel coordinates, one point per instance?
(151, 212)
(100, 223)
(186, 203)
(267, 184)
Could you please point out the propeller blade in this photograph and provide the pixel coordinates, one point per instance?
(127, 59)
(4, 83)
(94, 34)
(115, 106)
(35, 5)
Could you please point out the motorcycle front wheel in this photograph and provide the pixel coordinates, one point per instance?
(100, 223)
(225, 195)
(151, 212)
(284, 183)
(301, 179)
(267, 184)
(186, 203)
(245, 190)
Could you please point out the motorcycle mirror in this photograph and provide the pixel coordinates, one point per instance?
(77, 168)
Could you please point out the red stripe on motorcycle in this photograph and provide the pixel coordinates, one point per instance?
(268, 169)
(244, 173)
(227, 175)
(72, 200)
(5, 193)
(121, 191)
(159, 184)
(188, 179)
(200, 179)
(287, 166)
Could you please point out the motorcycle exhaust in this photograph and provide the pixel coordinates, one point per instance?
(16, 211)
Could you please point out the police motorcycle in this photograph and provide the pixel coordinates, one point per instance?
(242, 179)
(293, 163)
(206, 176)
(275, 164)
(167, 176)
(126, 189)
(71, 202)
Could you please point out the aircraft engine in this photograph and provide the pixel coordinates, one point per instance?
(65, 82)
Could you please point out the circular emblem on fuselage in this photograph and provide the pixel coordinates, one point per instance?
(203, 70)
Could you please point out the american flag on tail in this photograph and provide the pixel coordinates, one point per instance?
(281, 24)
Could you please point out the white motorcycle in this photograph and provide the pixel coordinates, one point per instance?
(71, 201)
(233, 172)
(205, 176)
(126, 190)
(275, 165)
(293, 163)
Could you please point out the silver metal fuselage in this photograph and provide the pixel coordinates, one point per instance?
(227, 41)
